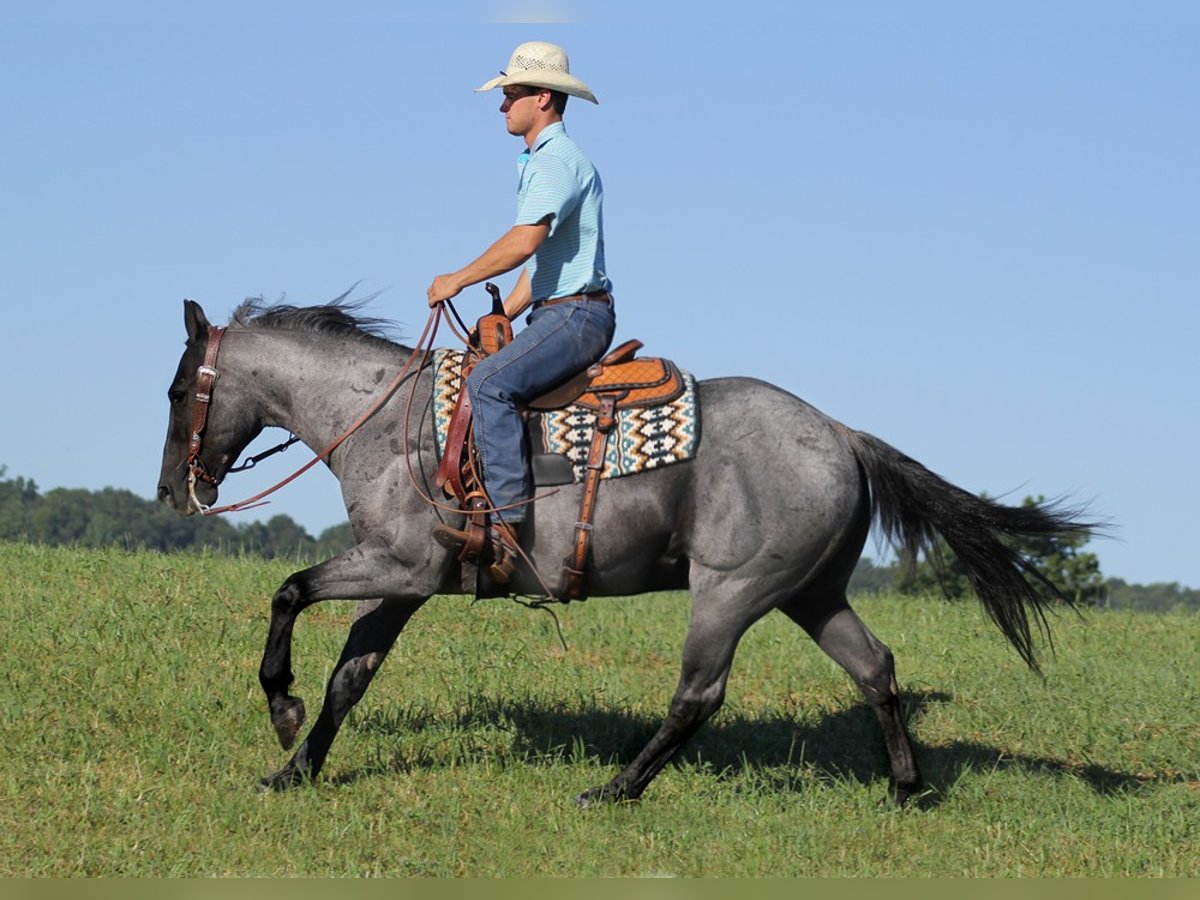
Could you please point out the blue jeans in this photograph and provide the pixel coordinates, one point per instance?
(558, 342)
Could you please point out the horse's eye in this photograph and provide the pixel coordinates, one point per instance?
(176, 396)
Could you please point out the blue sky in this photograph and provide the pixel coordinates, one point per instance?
(974, 234)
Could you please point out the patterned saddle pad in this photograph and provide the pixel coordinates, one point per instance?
(644, 437)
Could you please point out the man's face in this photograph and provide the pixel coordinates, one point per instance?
(520, 107)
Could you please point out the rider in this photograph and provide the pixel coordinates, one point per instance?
(559, 239)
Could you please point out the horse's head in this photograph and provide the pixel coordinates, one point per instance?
(200, 450)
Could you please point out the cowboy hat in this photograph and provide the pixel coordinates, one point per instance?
(543, 65)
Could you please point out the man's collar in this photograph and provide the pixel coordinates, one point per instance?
(553, 130)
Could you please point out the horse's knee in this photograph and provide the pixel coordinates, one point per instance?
(288, 600)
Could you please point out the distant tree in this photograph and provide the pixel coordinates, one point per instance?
(17, 498)
(334, 540)
(279, 536)
(870, 578)
(61, 517)
(118, 517)
(1159, 597)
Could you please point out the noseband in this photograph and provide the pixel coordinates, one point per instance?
(206, 377)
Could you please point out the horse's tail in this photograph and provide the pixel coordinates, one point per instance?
(913, 505)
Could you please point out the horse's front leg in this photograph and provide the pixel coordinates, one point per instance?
(275, 672)
(364, 572)
(377, 624)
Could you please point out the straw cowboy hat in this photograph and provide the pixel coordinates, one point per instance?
(543, 65)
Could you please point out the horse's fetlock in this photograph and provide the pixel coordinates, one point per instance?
(274, 683)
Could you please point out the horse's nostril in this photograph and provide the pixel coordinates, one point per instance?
(164, 493)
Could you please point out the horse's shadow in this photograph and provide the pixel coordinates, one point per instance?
(777, 751)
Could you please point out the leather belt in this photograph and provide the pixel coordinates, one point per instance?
(597, 296)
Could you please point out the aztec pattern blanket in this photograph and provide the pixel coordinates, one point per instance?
(643, 439)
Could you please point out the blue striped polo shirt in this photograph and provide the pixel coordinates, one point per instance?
(557, 180)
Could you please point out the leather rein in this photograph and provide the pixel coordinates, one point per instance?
(206, 379)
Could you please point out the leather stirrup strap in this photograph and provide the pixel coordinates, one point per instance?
(575, 564)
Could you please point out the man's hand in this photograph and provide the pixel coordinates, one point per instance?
(443, 288)
(513, 249)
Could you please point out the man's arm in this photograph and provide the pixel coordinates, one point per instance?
(520, 298)
(513, 249)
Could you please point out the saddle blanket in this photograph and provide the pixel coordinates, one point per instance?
(644, 438)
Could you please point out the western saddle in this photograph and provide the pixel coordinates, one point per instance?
(618, 381)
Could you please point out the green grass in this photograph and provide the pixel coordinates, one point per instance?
(133, 730)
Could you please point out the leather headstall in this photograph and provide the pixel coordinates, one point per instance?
(206, 378)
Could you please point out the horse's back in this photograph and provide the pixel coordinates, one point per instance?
(782, 469)
(773, 487)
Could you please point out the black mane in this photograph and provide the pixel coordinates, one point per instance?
(337, 317)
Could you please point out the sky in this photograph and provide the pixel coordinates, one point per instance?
(973, 232)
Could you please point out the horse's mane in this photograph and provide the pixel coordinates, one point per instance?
(340, 316)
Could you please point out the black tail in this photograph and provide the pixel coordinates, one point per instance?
(913, 505)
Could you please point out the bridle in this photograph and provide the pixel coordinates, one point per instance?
(206, 378)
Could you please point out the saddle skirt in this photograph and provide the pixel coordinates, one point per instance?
(655, 419)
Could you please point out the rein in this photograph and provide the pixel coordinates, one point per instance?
(206, 379)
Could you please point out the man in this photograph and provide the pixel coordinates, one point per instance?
(558, 238)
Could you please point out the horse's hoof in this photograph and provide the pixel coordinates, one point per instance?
(899, 795)
(600, 795)
(284, 780)
(288, 721)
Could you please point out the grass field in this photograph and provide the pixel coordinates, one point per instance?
(133, 731)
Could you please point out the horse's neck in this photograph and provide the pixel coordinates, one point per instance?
(315, 388)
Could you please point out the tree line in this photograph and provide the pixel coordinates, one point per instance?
(118, 517)
(1061, 559)
(870, 577)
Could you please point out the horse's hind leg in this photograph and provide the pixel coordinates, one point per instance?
(843, 636)
(713, 635)
(377, 623)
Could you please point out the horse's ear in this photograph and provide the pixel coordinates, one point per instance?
(194, 320)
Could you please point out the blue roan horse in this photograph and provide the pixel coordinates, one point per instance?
(771, 514)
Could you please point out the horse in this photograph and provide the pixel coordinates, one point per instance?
(772, 513)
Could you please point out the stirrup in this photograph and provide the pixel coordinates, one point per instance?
(450, 538)
(500, 549)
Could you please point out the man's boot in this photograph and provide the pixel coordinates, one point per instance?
(501, 550)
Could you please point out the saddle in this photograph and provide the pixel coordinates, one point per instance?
(620, 380)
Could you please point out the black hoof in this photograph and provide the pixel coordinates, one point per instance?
(899, 795)
(601, 795)
(284, 780)
(288, 719)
